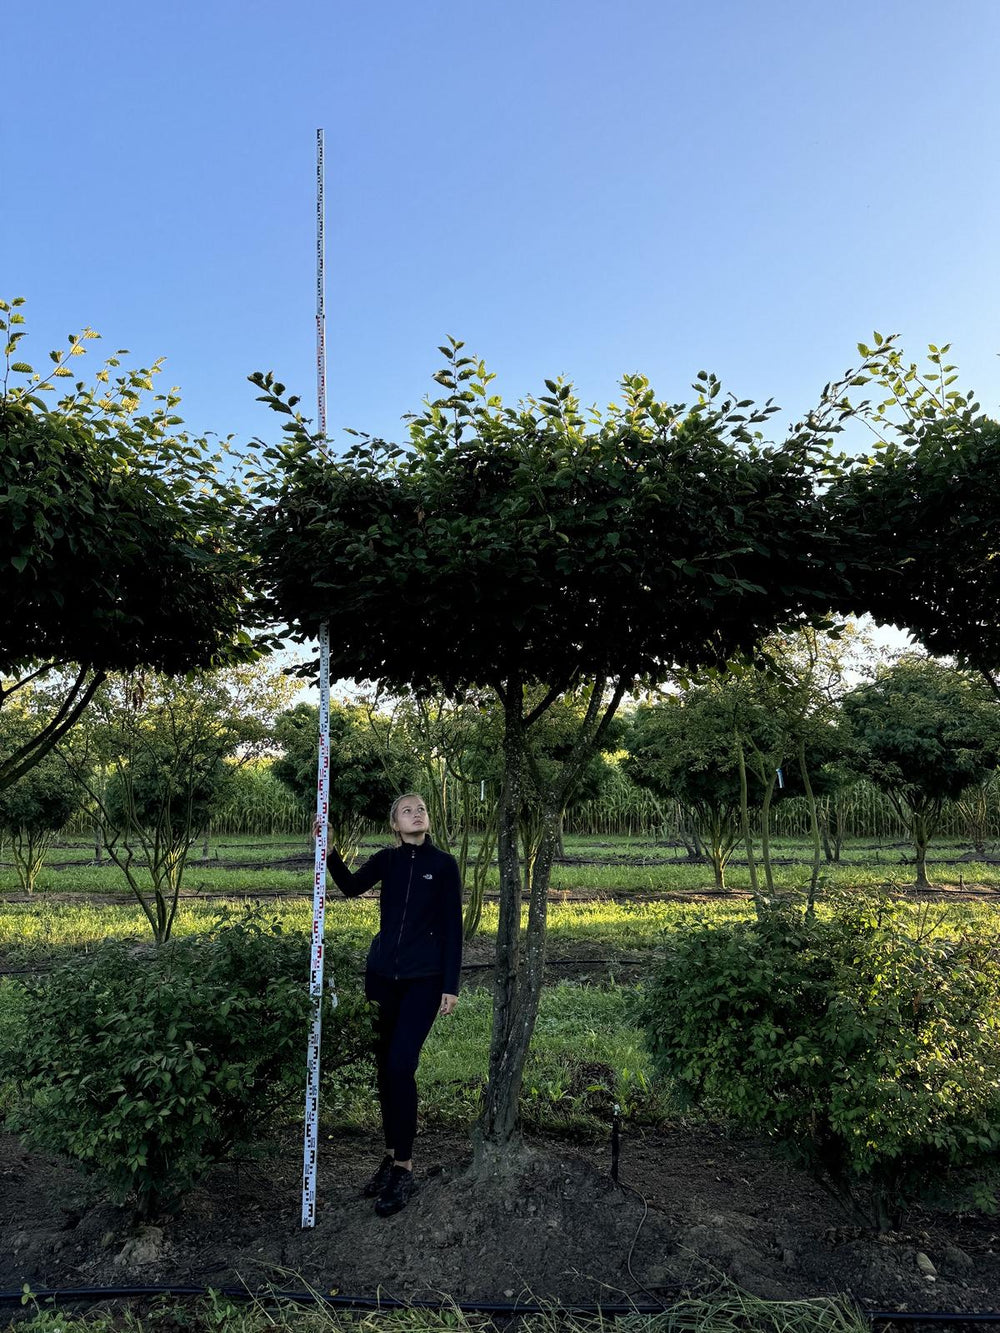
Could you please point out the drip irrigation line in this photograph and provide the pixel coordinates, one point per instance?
(95, 1295)
(933, 1317)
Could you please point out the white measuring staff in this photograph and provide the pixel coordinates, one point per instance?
(323, 772)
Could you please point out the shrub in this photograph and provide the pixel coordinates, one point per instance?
(868, 1047)
(147, 1065)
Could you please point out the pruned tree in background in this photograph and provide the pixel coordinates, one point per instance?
(38, 804)
(682, 748)
(365, 771)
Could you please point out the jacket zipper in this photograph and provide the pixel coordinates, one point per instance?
(406, 902)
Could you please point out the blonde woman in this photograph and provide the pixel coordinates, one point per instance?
(412, 975)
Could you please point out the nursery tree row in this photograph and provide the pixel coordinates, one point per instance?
(526, 554)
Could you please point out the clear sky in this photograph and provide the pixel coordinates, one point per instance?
(573, 187)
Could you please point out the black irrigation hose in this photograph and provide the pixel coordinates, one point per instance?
(933, 1317)
(94, 1295)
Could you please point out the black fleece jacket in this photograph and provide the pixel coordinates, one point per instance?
(420, 910)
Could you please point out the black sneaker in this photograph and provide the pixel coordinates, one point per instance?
(379, 1180)
(397, 1192)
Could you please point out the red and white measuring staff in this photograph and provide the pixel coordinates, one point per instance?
(323, 772)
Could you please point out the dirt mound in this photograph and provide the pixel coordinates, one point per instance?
(705, 1205)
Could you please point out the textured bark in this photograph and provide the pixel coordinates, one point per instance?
(813, 824)
(520, 963)
(498, 1122)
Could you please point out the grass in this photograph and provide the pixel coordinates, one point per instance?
(594, 866)
(586, 1054)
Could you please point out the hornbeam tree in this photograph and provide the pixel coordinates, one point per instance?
(538, 552)
(115, 541)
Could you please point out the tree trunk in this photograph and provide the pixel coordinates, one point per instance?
(498, 1124)
(745, 826)
(765, 830)
(824, 829)
(920, 840)
(813, 826)
(717, 854)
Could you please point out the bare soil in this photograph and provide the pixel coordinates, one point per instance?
(701, 1204)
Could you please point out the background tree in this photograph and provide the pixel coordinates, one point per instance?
(924, 732)
(682, 748)
(162, 743)
(116, 546)
(366, 770)
(35, 807)
(536, 552)
(791, 692)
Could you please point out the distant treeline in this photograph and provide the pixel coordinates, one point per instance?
(258, 804)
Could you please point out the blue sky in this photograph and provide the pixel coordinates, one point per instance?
(572, 187)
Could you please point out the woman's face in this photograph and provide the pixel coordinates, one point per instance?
(412, 820)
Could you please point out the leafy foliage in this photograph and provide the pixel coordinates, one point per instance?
(551, 545)
(148, 1065)
(116, 546)
(925, 508)
(868, 1048)
(366, 769)
(923, 733)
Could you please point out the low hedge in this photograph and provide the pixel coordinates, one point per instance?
(148, 1064)
(864, 1042)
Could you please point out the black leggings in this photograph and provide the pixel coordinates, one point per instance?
(406, 1013)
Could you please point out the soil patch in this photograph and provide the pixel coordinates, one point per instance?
(701, 1203)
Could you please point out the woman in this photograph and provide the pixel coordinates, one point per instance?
(412, 975)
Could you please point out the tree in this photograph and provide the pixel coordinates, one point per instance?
(116, 545)
(365, 773)
(535, 552)
(925, 509)
(790, 695)
(161, 742)
(924, 732)
(682, 748)
(35, 807)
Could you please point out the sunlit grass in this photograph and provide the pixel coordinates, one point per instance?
(594, 866)
(586, 1055)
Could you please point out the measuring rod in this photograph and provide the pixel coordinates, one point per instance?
(323, 769)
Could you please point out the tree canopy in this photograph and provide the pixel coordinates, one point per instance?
(925, 509)
(541, 544)
(116, 543)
